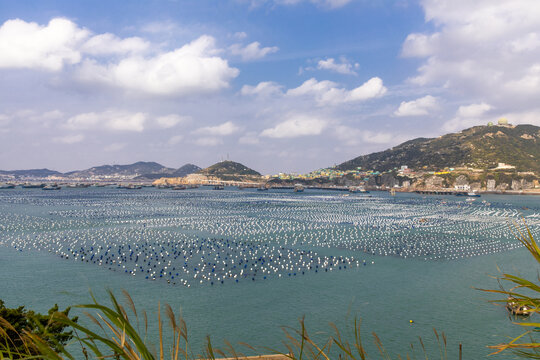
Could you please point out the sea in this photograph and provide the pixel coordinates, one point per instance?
(246, 266)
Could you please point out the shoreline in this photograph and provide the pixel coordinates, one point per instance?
(440, 191)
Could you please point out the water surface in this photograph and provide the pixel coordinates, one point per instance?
(322, 255)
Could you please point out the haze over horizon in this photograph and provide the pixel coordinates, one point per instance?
(278, 85)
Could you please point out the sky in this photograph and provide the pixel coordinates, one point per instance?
(278, 85)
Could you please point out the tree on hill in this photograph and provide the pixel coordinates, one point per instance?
(228, 168)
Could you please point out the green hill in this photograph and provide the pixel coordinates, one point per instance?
(229, 170)
(180, 172)
(137, 168)
(480, 147)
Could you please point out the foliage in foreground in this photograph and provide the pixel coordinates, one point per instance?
(18, 326)
(526, 345)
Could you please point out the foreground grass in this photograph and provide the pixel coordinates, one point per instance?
(121, 332)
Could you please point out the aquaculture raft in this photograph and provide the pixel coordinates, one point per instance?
(513, 306)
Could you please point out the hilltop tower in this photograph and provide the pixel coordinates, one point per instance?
(502, 122)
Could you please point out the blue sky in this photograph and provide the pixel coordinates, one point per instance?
(280, 85)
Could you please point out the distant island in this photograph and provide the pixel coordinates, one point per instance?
(139, 171)
(223, 171)
(493, 158)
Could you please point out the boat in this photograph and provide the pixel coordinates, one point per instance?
(219, 187)
(358, 189)
(51, 187)
(32, 186)
(515, 308)
(179, 187)
(298, 188)
(129, 187)
(262, 188)
(7, 186)
(78, 186)
(469, 194)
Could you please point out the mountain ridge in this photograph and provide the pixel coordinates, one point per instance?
(139, 169)
(479, 147)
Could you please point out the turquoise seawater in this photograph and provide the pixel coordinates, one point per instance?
(322, 255)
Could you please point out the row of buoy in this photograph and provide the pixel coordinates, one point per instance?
(205, 237)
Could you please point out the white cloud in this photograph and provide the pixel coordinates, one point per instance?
(350, 136)
(252, 51)
(227, 128)
(208, 141)
(239, 35)
(42, 119)
(52, 115)
(250, 138)
(110, 120)
(4, 120)
(526, 43)
(107, 44)
(169, 121)
(523, 117)
(131, 64)
(473, 110)
(45, 119)
(529, 83)
(372, 88)
(483, 49)
(420, 45)
(467, 116)
(30, 45)
(69, 139)
(418, 107)
(332, 3)
(160, 27)
(191, 69)
(327, 92)
(312, 87)
(295, 126)
(345, 67)
(265, 88)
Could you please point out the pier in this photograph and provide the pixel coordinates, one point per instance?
(441, 192)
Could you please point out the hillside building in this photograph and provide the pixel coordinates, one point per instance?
(503, 166)
(462, 187)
